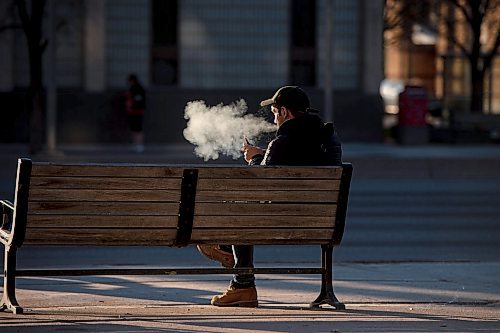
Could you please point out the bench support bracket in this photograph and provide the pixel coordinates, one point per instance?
(186, 207)
(326, 295)
(9, 301)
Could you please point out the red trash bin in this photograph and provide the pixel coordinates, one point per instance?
(413, 106)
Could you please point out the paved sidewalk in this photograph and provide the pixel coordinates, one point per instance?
(410, 297)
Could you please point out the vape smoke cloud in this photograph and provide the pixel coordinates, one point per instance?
(221, 129)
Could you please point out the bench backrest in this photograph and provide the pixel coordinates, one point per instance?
(91, 204)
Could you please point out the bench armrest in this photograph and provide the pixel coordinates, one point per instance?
(7, 203)
(6, 225)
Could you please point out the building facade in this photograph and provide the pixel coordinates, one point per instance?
(214, 50)
(434, 53)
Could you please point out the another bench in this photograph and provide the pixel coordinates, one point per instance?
(167, 205)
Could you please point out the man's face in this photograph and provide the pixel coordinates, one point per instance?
(280, 114)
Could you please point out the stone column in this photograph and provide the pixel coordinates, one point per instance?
(373, 45)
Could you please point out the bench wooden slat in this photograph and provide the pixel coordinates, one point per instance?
(259, 184)
(280, 172)
(41, 194)
(100, 236)
(200, 222)
(104, 208)
(214, 171)
(107, 183)
(165, 237)
(123, 183)
(38, 194)
(212, 209)
(102, 221)
(238, 236)
(113, 236)
(270, 195)
(108, 170)
(235, 209)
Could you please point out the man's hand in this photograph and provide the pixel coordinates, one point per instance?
(250, 151)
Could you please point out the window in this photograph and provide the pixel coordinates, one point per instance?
(234, 44)
(303, 43)
(164, 45)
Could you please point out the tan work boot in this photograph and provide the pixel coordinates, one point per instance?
(245, 297)
(215, 253)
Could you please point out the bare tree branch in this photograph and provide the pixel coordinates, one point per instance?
(462, 8)
(451, 28)
(488, 58)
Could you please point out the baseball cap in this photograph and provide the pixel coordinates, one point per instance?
(291, 97)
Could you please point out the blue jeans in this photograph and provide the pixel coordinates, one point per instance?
(243, 255)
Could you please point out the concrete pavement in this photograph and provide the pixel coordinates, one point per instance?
(412, 287)
(410, 297)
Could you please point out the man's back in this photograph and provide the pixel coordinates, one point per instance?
(304, 140)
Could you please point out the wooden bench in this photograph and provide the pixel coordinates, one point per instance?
(174, 205)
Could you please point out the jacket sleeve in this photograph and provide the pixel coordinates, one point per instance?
(256, 160)
(275, 152)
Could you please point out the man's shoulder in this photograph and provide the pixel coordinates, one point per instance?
(278, 141)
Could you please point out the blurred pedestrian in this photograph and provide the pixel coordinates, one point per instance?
(135, 105)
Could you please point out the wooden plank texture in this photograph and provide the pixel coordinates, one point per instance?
(267, 184)
(213, 209)
(205, 171)
(165, 237)
(101, 221)
(100, 236)
(269, 172)
(237, 236)
(254, 184)
(126, 204)
(235, 209)
(201, 222)
(104, 208)
(270, 195)
(108, 183)
(41, 194)
(108, 170)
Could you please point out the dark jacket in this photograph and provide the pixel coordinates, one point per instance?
(304, 140)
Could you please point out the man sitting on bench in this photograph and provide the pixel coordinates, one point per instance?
(302, 139)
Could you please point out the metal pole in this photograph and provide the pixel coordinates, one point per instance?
(328, 94)
(51, 118)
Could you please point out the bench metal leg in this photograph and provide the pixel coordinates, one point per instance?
(9, 301)
(326, 295)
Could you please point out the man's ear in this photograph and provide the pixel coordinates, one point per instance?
(286, 113)
(283, 111)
